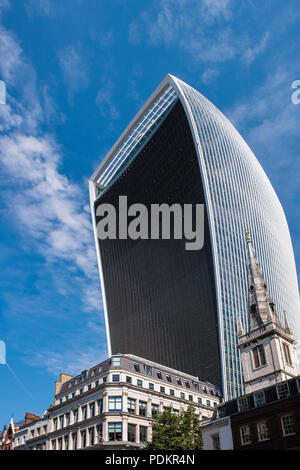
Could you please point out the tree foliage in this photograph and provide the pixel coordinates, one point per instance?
(176, 432)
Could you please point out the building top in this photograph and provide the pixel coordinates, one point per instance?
(263, 397)
(136, 365)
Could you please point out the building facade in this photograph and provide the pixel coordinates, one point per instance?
(267, 419)
(113, 405)
(181, 307)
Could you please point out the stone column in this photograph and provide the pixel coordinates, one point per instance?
(149, 407)
(124, 401)
(105, 431)
(105, 402)
(125, 429)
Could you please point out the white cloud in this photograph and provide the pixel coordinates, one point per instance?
(202, 30)
(41, 7)
(74, 69)
(209, 75)
(67, 362)
(50, 212)
(104, 100)
(252, 52)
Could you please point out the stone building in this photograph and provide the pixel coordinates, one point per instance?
(113, 405)
(268, 415)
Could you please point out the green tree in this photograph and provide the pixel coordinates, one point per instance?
(176, 432)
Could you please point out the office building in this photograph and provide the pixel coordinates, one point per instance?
(161, 301)
(113, 405)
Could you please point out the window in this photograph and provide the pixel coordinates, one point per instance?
(100, 406)
(115, 431)
(61, 421)
(263, 431)
(215, 440)
(116, 378)
(55, 424)
(162, 390)
(81, 391)
(287, 354)
(200, 400)
(92, 410)
(182, 395)
(178, 380)
(208, 402)
(259, 398)
(151, 386)
(148, 370)
(84, 412)
(114, 404)
(204, 389)
(154, 410)
(139, 383)
(191, 398)
(283, 390)
(84, 375)
(54, 444)
(196, 386)
(66, 439)
(104, 380)
(130, 405)
(83, 438)
(158, 373)
(89, 386)
(128, 380)
(259, 356)
(243, 404)
(74, 440)
(99, 432)
(168, 377)
(96, 383)
(67, 419)
(131, 432)
(175, 412)
(187, 383)
(38, 431)
(93, 372)
(115, 361)
(172, 392)
(245, 435)
(143, 434)
(142, 408)
(91, 436)
(45, 429)
(288, 425)
(60, 441)
(136, 367)
(73, 394)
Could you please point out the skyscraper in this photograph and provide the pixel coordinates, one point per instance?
(179, 307)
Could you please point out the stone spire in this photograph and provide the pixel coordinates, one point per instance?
(286, 323)
(261, 306)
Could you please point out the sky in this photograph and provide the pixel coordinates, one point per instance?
(76, 73)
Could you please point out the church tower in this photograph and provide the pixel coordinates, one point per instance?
(268, 349)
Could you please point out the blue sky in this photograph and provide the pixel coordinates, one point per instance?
(76, 73)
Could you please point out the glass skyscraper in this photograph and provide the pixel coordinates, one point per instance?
(178, 307)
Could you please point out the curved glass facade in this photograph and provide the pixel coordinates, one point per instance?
(237, 194)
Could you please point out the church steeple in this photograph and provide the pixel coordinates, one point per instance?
(268, 349)
(261, 306)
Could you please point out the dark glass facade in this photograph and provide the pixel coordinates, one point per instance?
(161, 298)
